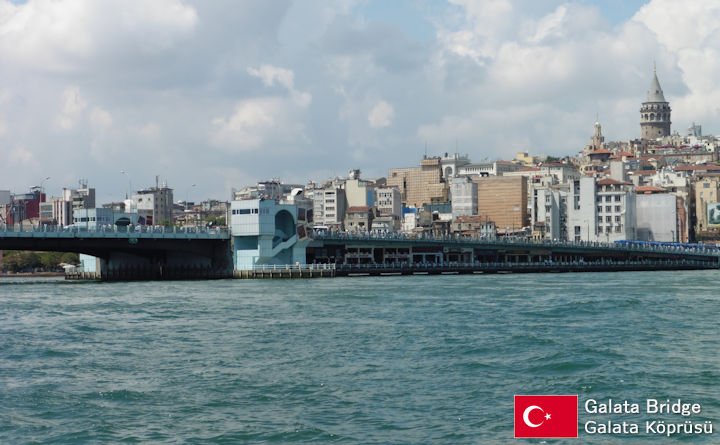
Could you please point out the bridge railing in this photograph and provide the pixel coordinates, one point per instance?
(294, 267)
(451, 265)
(108, 228)
(512, 242)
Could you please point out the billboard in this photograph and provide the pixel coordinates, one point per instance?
(713, 214)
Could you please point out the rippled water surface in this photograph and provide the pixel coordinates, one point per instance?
(346, 360)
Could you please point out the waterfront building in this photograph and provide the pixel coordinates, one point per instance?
(388, 201)
(503, 200)
(329, 206)
(602, 210)
(23, 208)
(265, 232)
(474, 226)
(656, 212)
(549, 211)
(451, 164)
(272, 189)
(464, 196)
(496, 168)
(420, 185)
(359, 219)
(93, 219)
(655, 113)
(59, 210)
(358, 192)
(154, 205)
(707, 204)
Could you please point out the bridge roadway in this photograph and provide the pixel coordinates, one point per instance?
(397, 250)
(139, 253)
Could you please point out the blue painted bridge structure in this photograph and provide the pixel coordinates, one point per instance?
(135, 253)
(155, 254)
(373, 254)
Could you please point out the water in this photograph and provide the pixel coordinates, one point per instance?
(346, 360)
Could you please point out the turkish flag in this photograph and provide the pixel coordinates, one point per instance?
(546, 416)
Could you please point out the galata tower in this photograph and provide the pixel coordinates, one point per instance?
(655, 113)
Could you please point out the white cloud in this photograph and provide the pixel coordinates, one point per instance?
(270, 74)
(73, 107)
(149, 131)
(100, 118)
(63, 35)
(263, 121)
(193, 86)
(381, 115)
(22, 156)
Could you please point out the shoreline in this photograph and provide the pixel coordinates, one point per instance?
(33, 274)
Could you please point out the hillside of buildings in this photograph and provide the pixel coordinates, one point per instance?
(662, 186)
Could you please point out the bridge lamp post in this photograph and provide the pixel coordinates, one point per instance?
(187, 210)
(42, 190)
(129, 182)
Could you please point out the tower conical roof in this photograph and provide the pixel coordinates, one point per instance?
(655, 94)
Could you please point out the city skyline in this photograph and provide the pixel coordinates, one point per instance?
(224, 95)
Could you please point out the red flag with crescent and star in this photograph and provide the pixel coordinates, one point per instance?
(546, 416)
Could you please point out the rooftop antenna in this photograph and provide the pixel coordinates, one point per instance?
(425, 149)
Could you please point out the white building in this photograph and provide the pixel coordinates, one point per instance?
(549, 210)
(329, 207)
(464, 197)
(601, 211)
(154, 205)
(388, 201)
(657, 217)
(92, 219)
(496, 168)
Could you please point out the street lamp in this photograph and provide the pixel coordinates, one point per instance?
(129, 182)
(41, 186)
(187, 211)
(187, 193)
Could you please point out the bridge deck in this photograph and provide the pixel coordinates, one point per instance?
(106, 233)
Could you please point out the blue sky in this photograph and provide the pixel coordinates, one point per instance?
(223, 94)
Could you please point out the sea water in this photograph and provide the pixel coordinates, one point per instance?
(415, 359)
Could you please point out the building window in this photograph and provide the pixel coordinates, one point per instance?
(618, 229)
(599, 219)
(617, 208)
(599, 209)
(547, 198)
(706, 185)
(600, 229)
(608, 198)
(617, 198)
(608, 209)
(617, 219)
(608, 218)
(577, 230)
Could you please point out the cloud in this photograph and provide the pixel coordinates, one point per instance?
(256, 122)
(100, 118)
(298, 88)
(21, 156)
(73, 106)
(381, 115)
(270, 74)
(66, 35)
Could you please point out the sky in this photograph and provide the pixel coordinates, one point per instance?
(225, 93)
